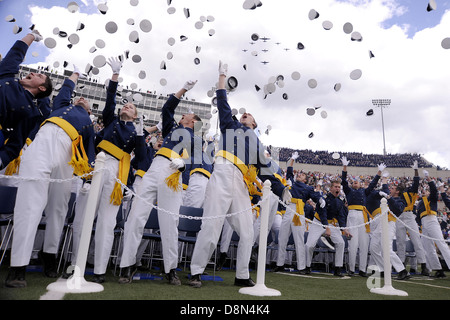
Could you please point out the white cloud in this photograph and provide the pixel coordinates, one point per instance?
(410, 71)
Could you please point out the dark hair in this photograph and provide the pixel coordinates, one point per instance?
(197, 118)
(400, 188)
(48, 88)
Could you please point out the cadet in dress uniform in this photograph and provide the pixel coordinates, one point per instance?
(18, 110)
(333, 214)
(409, 225)
(236, 166)
(64, 145)
(396, 205)
(358, 215)
(427, 216)
(118, 139)
(199, 171)
(161, 184)
(294, 218)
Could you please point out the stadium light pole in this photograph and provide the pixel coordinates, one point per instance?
(382, 103)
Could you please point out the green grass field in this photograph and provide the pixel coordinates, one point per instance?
(292, 286)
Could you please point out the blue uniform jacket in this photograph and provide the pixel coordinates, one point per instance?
(335, 209)
(18, 111)
(120, 133)
(357, 196)
(433, 200)
(244, 144)
(77, 116)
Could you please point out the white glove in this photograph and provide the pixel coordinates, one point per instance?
(177, 164)
(322, 203)
(140, 127)
(159, 125)
(189, 85)
(415, 165)
(383, 194)
(294, 155)
(286, 196)
(381, 166)
(76, 70)
(425, 173)
(223, 68)
(345, 162)
(37, 36)
(385, 174)
(115, 64)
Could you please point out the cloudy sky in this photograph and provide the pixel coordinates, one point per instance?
(409, 65)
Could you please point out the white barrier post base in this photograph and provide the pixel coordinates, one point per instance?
(260, 290)
(75, 284)
(389, 291)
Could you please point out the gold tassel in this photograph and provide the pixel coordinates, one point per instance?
(116, 195)
(296, 220)
(79, 160)
(173, 181)
(13, 166)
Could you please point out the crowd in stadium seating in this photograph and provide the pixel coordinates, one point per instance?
(358, 159)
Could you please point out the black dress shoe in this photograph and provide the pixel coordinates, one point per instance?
(127, 274)
(173, 278)
(403, 275)
(244, 282)
(99, 278)
(439, 274)
(307, 270)
(278, 269)
(362, 274)
(16, 277)
(338, 272)
(49, 264)
(195, 281)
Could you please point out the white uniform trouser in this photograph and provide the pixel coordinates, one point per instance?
(225, 239)
(376, 247)
(106, 214)
(273, 206)
(153, 189)
(359, 240)
(194, 196)
(408, 224)
(298, 233)
(315, 232)
(226, 193)
(432, 229)
(47, 157)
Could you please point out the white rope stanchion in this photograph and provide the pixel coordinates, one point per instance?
(76, 283)
(387, 289)
(260, 288)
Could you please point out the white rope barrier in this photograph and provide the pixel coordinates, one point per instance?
(97, 170)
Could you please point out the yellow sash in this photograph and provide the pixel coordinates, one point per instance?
(172, 181)
(13, 166)
(390, 215)
(333, 221)
(428, 210)
(139, 173)
(124, 168)
(249, 172)
(365, 212)
(79, 160)
(202, 171)
(410, 199)
(300, 209)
